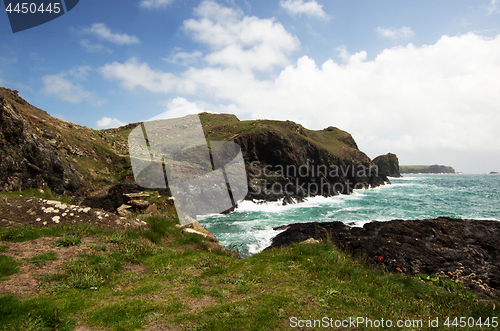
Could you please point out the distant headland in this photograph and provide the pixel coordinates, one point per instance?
(426, 169)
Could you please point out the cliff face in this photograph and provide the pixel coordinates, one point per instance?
(388, 165)
(285, 160)
(38, 150)
(26, 161)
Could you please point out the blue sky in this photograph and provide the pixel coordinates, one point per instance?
(419, 79)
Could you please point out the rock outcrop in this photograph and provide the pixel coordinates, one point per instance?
(26, 161)
(431, 246)
(124, 193)
(388, 165)
(286, 161)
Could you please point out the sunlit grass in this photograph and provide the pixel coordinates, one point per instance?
(161, 276)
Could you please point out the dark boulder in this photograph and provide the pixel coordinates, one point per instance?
(113, 197)
(462, 247)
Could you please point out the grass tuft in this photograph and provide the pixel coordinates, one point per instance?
(8, 267)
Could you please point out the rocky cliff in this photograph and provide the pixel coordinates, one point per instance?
(388, 165)
(26, 161)
(39, 150)
(284, 160)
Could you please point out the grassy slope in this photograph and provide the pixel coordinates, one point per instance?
(186, 285)
(103, 164)
(228, 127)
(419, 168)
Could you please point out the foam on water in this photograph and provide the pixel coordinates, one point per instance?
(250, 227)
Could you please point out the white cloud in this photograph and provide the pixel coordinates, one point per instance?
(178, 107)
(80, 72)
(240, 41)
(9, 56)
(66, 90)
(309, 8)
(93, 48)
(440, 97)
(103, 32)
(184, 58)
(107, 122)
(492, 8)
(425, 101)
(155, 4)
(133, 74)
(401, 33)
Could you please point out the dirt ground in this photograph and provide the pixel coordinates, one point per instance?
(38, 212)
(26, 281)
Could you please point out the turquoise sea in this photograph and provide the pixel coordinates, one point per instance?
(249, 228)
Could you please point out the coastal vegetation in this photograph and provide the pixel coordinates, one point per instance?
(159, 278)
(100, 271)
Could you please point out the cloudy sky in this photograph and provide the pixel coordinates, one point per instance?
(420, 79)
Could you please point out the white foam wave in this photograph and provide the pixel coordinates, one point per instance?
(277, 206)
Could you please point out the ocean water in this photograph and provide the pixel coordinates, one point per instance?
(249, 228)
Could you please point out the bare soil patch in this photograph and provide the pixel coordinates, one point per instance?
(26, 281)
(39, 212)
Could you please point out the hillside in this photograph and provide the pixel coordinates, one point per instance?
(93, 161)
(64, 266)
(88, 157)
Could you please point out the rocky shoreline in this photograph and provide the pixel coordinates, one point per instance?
(463, 250)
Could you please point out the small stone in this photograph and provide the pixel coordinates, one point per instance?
(38, 219)
(56, 219)
(136, 195)
(122, 211)
(311, 241)
(151, 209)
(141, 204)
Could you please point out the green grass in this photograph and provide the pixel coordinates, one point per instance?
(186, 285)
(221, 127)
(45, 194)
(8, 267)
(26, 233)
(67, 240)
(42, 259)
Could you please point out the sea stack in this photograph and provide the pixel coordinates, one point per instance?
(388, 165)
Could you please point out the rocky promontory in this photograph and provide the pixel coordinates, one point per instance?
(388, 165)
(286, 161)
(464, 249)
(283, 160)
